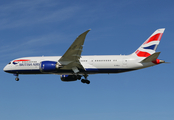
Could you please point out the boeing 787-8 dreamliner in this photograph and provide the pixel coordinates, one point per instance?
(72, 66)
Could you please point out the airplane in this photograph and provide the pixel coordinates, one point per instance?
(72, 66)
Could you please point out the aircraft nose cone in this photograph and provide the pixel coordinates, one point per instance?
(5, 69)
(8, 69)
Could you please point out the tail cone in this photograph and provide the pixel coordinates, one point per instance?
(158, 61)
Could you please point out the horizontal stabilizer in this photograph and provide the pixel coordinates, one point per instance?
(152, 57)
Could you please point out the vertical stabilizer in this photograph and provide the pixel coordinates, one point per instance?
(150, 45)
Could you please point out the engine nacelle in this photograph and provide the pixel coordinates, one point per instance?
(49, 66)
(68, 78)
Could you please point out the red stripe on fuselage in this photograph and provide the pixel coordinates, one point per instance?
(21, 60)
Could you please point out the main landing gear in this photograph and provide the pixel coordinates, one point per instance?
(17, 79)
(85, 80)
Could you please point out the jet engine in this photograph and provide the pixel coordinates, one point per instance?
(68, 78)
(49, 66)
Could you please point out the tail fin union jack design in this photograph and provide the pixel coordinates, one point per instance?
(150, 45)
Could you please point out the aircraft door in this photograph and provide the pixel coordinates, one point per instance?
(124, 62)
(91, 61)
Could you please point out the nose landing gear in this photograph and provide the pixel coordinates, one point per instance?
(17, 79)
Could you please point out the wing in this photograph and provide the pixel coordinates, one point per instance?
(70, 60)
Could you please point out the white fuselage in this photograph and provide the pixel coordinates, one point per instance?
(92, 64)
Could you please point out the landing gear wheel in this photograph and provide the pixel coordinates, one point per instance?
(85, 81)
(17, 79)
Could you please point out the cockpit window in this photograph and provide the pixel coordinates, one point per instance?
(9, 63)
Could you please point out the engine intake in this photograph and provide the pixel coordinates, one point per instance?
(68, 78)
(49, 66)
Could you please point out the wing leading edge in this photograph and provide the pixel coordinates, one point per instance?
(70, 60)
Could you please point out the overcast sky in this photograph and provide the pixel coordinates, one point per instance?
(48, 27)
